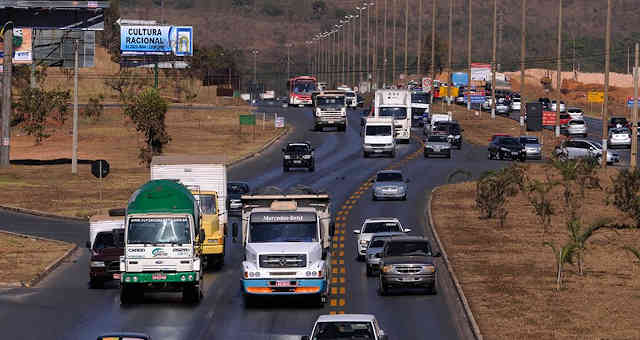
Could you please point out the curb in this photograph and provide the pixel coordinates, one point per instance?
(48, 269)
(272, 141)
(463, 299)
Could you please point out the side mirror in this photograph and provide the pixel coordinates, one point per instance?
(234, 231)
(88, 245)
(202, 235)
(437, 254)
(332, 229)
(407, 230)
(356, 231)
(304, 337)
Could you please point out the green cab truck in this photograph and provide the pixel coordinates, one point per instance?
(163, 238)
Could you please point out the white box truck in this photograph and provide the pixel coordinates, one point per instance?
(395, 104)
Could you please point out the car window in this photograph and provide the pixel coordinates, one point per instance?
(529, 140)
(581, 145)
(104, 240)
(343, 330)
(576, 122)
(509, 141)
(377, 243)
(297, 148)
(237, 188)
(389, 177)
(437, 139)
(381, 227)
(407, 248)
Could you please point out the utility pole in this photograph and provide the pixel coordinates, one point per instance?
(469, 58)
(393, 42)
(74, 150)
(420, 15)
(384, 46)
(560, 71)
(376, 24)
(433, 46)
(255, 72)
(406, 41)
(360, 9)
(449, 66)
(289, 45)
(523, 51)
(6, 96)
(368, 70)
(634, 117)
(353, 54)
(32, 82)
(493, 63)
(605, 110)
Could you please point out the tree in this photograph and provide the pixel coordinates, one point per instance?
(110, 36)
(37, 110)
(626, 193)
(538, 195)
(494, 187)
(126, 84)
(562, 256)
(580, 237)
(148, 111)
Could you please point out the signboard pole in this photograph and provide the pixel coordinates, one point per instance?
(155, 73)
(634, 119)
(6, 97)
(74, 151)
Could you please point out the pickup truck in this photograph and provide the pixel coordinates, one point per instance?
(346, 326)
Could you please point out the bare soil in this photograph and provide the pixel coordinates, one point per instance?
(22, 258)
(113, 138)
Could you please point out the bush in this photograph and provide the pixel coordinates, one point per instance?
(494, 187)
(148, 111)
(626, 193)
(94, 109)
(36, 109)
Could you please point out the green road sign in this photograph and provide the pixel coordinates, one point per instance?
(247, 120)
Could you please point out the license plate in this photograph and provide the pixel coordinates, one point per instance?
(514, 153)
(283, 284)
(297, 162)
(331, 121)
(159, 276)
(377, 150)
(116, 276)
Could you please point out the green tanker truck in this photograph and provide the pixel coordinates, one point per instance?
(163, 238)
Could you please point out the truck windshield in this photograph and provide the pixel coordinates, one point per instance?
(207, 203)
(304, 86)
(395, 112)
(158, 230)
(343, 330)
(283, 232)
(378, 130)
(330, 101)
(381, 227)
(419, 98)
(418, 248)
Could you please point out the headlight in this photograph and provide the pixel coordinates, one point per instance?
(505, 149)
(428, 269)
(457, 137)
(364, 242)
(389, 144)
(306, 157)
(252, 275)
(287, 157)
(97, 264)
(387, 268)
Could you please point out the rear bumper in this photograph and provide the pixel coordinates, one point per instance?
(298, 163)
(295, 286)
(441, 152)
(148, 277)
(331, 122)
(212, 249)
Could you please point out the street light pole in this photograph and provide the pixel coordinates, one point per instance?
(406, 40)
(289, 45)
(420, 14)
(384, 46)
(393, 42)
(360, 9)
(493, 63)
(469, 58)
(433, 45)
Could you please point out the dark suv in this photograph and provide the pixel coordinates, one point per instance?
(407, 261)
(105, 257)
(454, 132)
(234, 191)
(298, 155)
(507, 147)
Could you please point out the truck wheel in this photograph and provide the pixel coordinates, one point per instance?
(249, 301)
(317, 128)
(191, 294)
(285, 169)
(96, 284)
(460, 146)
(426, 155)
(393, 154)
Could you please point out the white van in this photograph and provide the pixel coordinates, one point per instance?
(378, 137)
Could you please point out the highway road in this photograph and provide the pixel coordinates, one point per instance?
(63, 307)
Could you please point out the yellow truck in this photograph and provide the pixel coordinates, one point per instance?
(206, 178)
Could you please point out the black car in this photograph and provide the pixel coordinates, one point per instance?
(615, 121)
(507, 147)
(234, 191)
(453, 131)
(298, 155)
(407, 261)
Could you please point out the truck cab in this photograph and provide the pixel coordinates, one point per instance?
(378, 137)
(286, 239)
(395, 104)
(330, 110)
(419, 106)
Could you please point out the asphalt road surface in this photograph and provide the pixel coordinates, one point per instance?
(63, 307)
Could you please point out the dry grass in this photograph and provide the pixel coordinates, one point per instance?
(509, 276)
(22, 258)
(54, 189)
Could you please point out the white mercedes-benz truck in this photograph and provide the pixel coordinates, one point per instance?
(286, 239)
(396, 104)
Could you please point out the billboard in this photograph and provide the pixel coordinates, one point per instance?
(480, 71)
(56, 48)
(156, 40)
(22, 49)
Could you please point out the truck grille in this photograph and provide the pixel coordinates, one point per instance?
(408, 269)
(113, 266)
(378, 145)
(283, 261)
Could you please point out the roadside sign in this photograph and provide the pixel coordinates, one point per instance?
(595, 97)
(156, 40)
(247, 120)
(477, 99)
(426, 84)
(443, 91)
(279, 122)
(630, 102)
(453, 91)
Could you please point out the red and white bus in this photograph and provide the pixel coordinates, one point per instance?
(300, 89)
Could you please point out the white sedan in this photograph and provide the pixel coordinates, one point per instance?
(619, 137)
(372, 226)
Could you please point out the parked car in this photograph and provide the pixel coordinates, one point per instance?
(376, 245)
(577, 127)
(437, 145)
(618, 122)
(373, 226)
(390, 184)
(506, 147)
(515, 104)
(234, 191)
(407, 262)
(346, 326)
(619, 137)
(575, 113)
(298, 155)
(580, 148)
(563, 107)
(532, 147)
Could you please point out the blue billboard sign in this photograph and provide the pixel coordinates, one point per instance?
(156, 40)
(476, 99)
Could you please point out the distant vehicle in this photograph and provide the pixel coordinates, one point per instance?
(351, 99)
(506, 147)
(532, 147)
(436, 118)
(234, 191)
(397, 105)
(437, 145)
(375, 247)
(619, 137)
(346, 326)
(322, 86)
(407, 262)
(378, 137)
(390, 184)
(124, 336)
(486, 105)
(419, 107)
(618, 122)
(546, 103)
(373, 226)
(298, 155)
(563, 107)
(516, 104)
(453, 131)
(581, 148)
(329, 110)
(106, 245)
(300, 89)
(577, 127)
(575, 113)
(502, 108)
